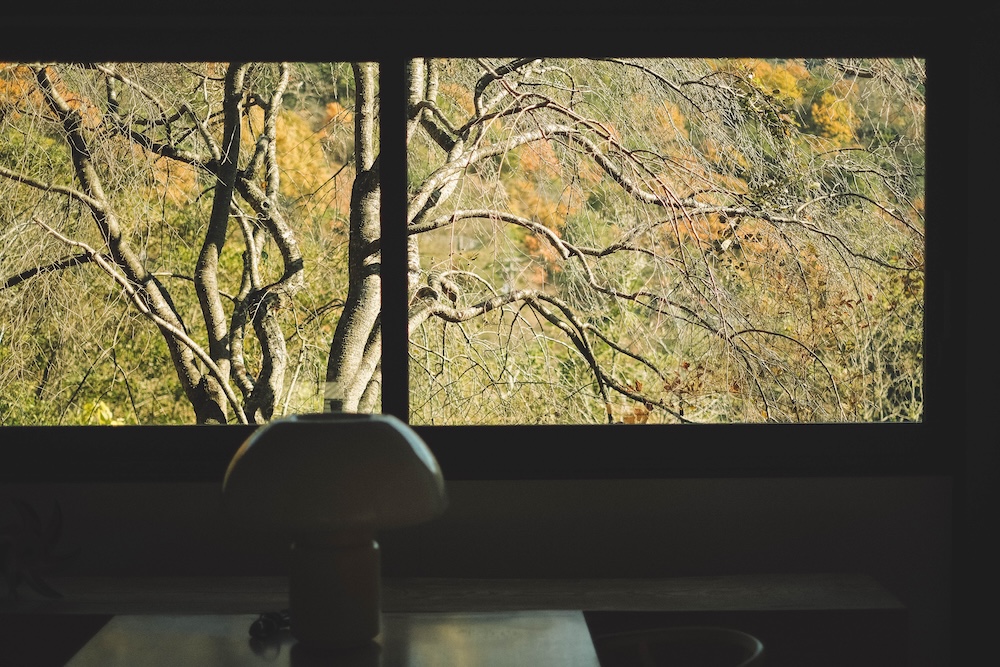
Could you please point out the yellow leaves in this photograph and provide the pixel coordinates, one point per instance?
(305, 165)
(252, 124)
(795, 69)
(100, 413)
(780, 80)
(307, 156)
(834, 117)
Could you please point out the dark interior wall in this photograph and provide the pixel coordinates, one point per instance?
(977, 549)
(896, 529)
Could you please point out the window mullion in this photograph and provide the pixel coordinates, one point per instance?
(392, 171)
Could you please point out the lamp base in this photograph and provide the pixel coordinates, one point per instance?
(335, 591)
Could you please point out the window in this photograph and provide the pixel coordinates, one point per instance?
(681, 240)
(578, 450)
(176, 248)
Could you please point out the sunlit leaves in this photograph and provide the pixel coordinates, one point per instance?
(152, 132)
(658, 240)
(833, 117)
(742, 213)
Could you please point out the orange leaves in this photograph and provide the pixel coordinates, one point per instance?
(177, 181)
(18, 89)
(688, 381)
(752, 237)
(528, 196)
(639, 415)
(335, 114)
(589, 173)
(453, 95)
(538, 160)
(528, 201)
(16, 83)
(699, 230)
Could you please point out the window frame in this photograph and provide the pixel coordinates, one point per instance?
(201, 453)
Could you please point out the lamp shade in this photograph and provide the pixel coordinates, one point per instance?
(332, 472)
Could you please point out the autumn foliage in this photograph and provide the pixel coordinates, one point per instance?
(634, 241)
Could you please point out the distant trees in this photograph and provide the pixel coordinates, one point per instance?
(623, 240)
(165, 181)
(667, 240)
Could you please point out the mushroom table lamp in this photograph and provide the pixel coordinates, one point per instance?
(328, 482)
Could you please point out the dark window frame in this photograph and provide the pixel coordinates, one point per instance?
(201, 453)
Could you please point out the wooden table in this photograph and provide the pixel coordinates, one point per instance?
(778, 606)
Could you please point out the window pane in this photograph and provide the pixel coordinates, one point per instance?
(174, 241)
(665, 241)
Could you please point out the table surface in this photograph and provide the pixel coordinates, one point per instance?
(99, 618)
(430, 639)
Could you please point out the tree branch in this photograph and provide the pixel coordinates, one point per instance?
(140, 303)
(88, 201)
(58, 265)
(155, 298)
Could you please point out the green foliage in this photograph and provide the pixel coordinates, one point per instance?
(718, 316)
(679, 240)
(75, 349)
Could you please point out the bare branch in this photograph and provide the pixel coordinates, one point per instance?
(93, 204)
(57, 265)
(136, 297)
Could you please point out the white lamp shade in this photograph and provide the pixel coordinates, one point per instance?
(324, 473)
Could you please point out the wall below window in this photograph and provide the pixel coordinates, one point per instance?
(895, 529)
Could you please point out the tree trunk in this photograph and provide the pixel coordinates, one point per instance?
(356, 348)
